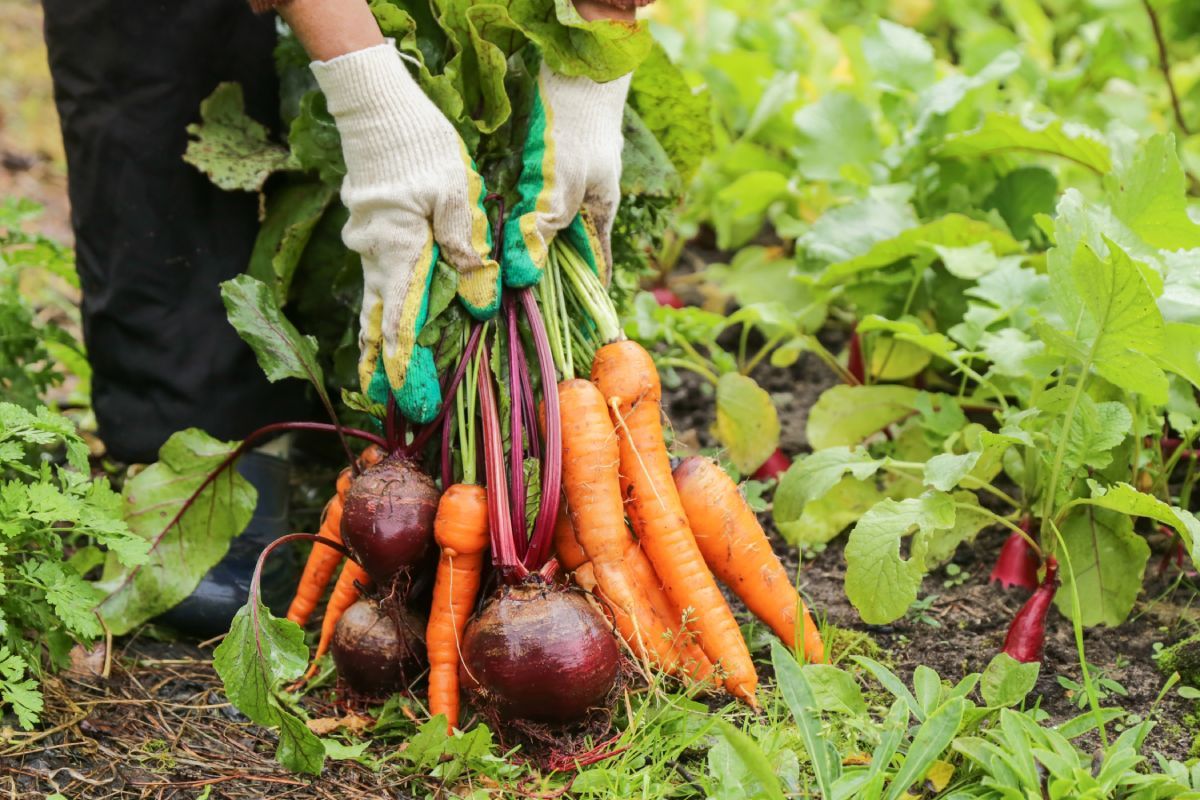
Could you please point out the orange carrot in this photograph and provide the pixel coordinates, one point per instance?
(589, 478)
(322, 561)
(344, 595)
(738, 552)
(573, 559)
(625, 374)
(461, 529)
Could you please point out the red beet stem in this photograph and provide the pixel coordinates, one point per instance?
(449, 391)
(516, 452)
(1017, 564)
(551, 468)
(1027, 633)
(504, 549)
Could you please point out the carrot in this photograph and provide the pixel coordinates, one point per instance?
(737, 550)
(589, 477)
(322, 561)
(461, 529)
(625, 375)
(344, 595)
(572, 557)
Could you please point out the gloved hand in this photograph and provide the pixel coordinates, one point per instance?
(570, 175)
(413, 193)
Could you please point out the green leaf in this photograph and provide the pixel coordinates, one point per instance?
(834, 689)
(740, 767)
(1021, 195)
(747, 423)
(811, 477)
(849, 231)
(281, 351)
(1127, 500)
(879, 581)
(740, 207)
(254, 659)
(1002, 132)
(968, 522)
(1181, 351)
(846, 415)
(1007, 681)
(645, 167)
(832, 134)
(72, 598)
(817, 521)
(314, 139)
(802, 702)
(679, 116)
(293, 211)
(1116, 328)
(17, 690)
(1107, 561)
(231, 148)
(950, 231)
(184, 543)
(928, 743)
(944, 471)
(900, 58)
(1150, 196)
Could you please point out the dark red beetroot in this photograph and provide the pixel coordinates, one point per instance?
(666, 297)
(387, 519)
(540, 653)
(1027, 633)
(374, 655)
(776, 464)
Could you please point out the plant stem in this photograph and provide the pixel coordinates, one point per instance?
(969, 481)
(1164, 64)
(448, 393)
(682, 363)
(551, 471)
(504, 550)
(516, 408)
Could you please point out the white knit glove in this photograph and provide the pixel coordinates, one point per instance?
(570, 175)
(412, 190)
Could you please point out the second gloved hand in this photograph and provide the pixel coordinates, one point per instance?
(570, 174)
(413, 194)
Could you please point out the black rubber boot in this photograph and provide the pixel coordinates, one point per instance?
(211, 607)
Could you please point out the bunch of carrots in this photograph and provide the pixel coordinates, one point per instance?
(647, 543)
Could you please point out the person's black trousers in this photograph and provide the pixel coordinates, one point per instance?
(153, 237)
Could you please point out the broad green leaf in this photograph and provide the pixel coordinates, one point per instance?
(1150, 196)
(896, 359)
(740, 207)
(256, 657)
(1007, 681)
(1108, 560)
(849, 231)
(184, 542)
(1126, 499)
(820, 520)
(293, 211)
(1096, 428)
(741, 768)
(1181, 351)
(846, 415)
(968, 522)
(802, 702)
(833, 133)
(314, 139)
(944, 471)
(282, 352)
(645, 167)
(952, 230)
(811, 477)
(900, 58)
(679, 116)
(747, 423)
(231, 148)
(1021, 195)
(879, 581)
(834, 689)
(1116, 328)
(1002, 132)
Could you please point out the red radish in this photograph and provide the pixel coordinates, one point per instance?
(1017, 564)
(666, 297)
(854, 359)
(1027, 633)
(776, 464)
(387, 519)
(539, 652)
(379, 650)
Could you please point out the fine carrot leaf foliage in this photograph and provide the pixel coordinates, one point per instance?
(185, 539)
(258, 655)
